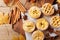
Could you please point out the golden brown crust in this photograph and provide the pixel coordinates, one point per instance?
(55, 21)
(47, 9)
(34, 12)
(37, 35)
(42, 24)
(28, 26)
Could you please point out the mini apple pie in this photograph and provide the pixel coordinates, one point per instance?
(28, 26)
(55, 21)
(38, 35)
(47, 9)
(34, 12)
(42, 24)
